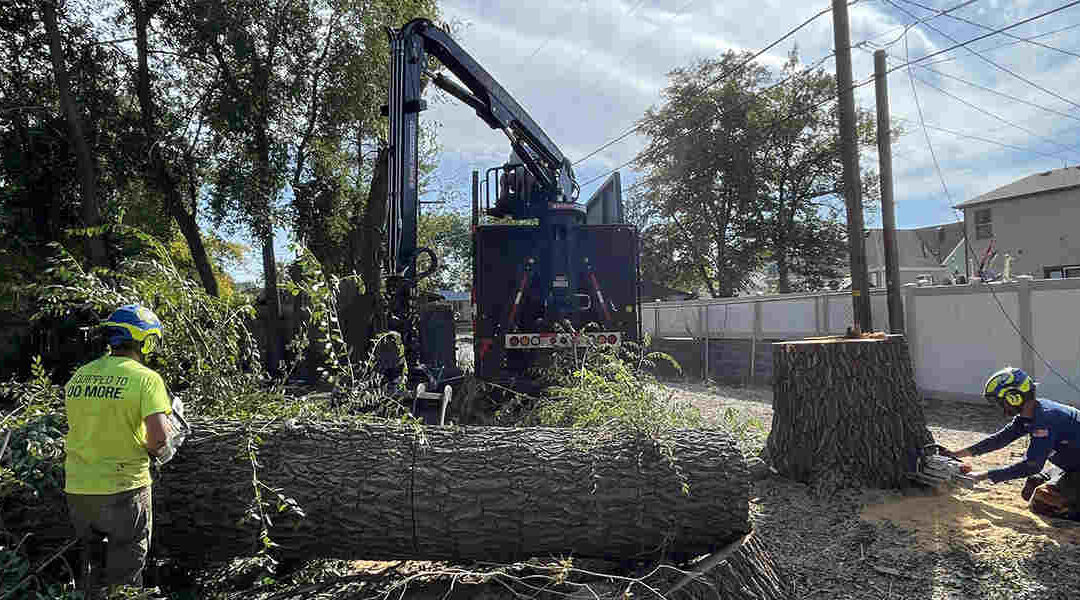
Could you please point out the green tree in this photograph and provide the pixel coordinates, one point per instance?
(449, 235)
(743, 168)
(801, 178)
(698, 174)
(295, 110)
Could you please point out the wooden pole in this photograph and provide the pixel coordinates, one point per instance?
(888, 208)
(849, 150)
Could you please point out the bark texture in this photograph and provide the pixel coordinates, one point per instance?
(498, 494)
(845, 412)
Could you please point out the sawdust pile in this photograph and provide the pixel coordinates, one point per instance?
(998, 517)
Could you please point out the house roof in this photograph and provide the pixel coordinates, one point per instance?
(910, 250)
(941, 240)
(1058, 179)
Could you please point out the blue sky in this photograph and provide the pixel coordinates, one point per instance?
(588, 69)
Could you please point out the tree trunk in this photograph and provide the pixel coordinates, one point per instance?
(382, 492)
(158, 169)
(845, 412)
(783, 284)
(368, 315)
(91, 212)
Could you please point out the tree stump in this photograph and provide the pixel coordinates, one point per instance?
(845, 412)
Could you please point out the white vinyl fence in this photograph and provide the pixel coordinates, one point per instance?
(958, 335)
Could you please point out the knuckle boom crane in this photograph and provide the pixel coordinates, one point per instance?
(539, 282)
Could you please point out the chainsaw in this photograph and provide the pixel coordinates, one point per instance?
(934, 467)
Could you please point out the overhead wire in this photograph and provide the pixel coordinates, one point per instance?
(1000, 93)
(967, 242)
(1073, 149)
(1017, 38)
(991, 62)
(906, 63)
(992, 33)
(1007, 123)
(752, 98)
(908, 27)
(1007, 44)
(922, 121)
(718, 79)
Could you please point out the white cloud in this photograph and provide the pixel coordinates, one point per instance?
(587, 71)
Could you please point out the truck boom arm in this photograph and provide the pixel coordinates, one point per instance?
(410, 47)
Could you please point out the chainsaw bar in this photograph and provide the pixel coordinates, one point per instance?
(934, 468)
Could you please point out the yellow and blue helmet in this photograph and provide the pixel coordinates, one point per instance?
(1009, 387)
(134, 322)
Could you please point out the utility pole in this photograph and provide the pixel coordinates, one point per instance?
(849, 150)
(888, 209)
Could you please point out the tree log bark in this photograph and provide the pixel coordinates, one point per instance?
(379, 492)
(845, 412)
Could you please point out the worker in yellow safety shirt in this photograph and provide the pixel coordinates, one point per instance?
(117, 412)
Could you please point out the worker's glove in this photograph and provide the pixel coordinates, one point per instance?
(178, 432)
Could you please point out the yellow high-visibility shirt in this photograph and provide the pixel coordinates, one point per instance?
(107, 402)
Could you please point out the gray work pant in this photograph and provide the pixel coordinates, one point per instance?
(126, 520)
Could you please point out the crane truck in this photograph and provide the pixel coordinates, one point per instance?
(550, 273)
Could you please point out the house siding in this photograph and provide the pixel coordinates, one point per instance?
(1037, 231)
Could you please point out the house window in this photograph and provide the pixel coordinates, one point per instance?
(1066, 271)
(984, 229)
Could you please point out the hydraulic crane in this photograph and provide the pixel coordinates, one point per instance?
(537, 283)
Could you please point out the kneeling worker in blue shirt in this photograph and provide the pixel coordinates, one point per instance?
(1055, 434)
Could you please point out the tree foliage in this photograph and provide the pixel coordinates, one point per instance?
(449, 235)
(743, 170)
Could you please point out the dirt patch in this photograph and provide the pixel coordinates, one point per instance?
(998, 517)
(917, 544)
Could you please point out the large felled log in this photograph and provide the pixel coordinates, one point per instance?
(845, 411)
(501, 494)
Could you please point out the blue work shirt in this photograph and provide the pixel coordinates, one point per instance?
(1055, 434)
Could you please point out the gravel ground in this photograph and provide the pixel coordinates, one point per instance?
(916, 544)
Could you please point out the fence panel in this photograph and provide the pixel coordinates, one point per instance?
(1056, 332)
(957, 334)
(789, 319)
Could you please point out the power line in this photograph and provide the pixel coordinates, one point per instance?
(991, 62)
(926, 134)
(720, 78)
(907, 63)
(985, 35)
(548, 39)
(991, 91)
(630, 12)
(1007, 122)
(753, 97)
(988, 28)
(1007, 44)
(923, 20)
(997, 117)
(967, 242)
(986, 140)
(998, 93)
